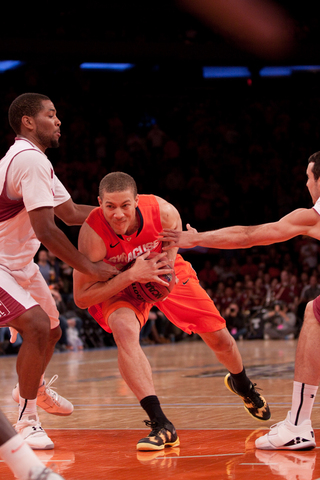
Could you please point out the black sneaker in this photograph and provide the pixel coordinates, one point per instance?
(162, 435)
(254, 403)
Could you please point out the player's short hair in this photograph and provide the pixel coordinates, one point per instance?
(29, 104)
(315, 158)
(117, 182)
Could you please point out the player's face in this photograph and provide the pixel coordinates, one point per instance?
(47, 126)
(119, 209)
(312, 184)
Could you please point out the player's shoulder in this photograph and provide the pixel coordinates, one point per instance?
(161, 201)
(31, 158)
(303, 216)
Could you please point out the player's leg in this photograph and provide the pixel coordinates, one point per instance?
(295, 432)
(201, 316)
(135, 369)
(19, 457)
(34, 327)
(133, 364)
(224, 346)
(47, 398)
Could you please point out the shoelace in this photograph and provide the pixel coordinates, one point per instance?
(50, 390)
(155, 427)
(255, 396)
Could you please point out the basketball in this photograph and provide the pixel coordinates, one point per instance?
(151, 292)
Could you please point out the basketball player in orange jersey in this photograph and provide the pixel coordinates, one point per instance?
(30, 197)
(124, 227)
(295, 432)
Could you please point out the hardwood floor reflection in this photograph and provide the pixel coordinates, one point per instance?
(98, 441)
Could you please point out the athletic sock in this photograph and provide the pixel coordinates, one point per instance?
(151, 406)
(27, 407)
(303, 397)
(19, 457)
(241, 382)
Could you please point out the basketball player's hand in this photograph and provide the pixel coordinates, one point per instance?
(149, 269)
(176, 238)
(103, 271)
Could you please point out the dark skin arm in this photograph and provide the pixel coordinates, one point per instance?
(47, 232)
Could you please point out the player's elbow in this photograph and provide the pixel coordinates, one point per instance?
(80, 303)
(81, 300)
(246, 242)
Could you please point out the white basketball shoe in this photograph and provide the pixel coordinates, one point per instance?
(48, 399)
(287, 436)
(29, 427)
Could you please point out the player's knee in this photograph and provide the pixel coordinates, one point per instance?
(35, 325)
(55, 334)
(125, 328)
(220, 341)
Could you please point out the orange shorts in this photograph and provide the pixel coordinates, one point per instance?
(188, 306)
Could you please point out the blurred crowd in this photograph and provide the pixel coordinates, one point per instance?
(223, 153)
(261, 292)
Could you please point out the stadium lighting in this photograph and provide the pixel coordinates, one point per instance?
(9, 65)
(119, 67)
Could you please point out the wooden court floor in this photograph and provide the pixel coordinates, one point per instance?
(98, 441)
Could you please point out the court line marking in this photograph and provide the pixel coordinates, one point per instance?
(199, 456)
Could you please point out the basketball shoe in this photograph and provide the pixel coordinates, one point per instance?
(287, 436)
(162, 435)
(48, 399)
(43, 473)
(254, 403)
(29, 427)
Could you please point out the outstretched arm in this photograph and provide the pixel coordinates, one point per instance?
(54, 239)
(299, 222)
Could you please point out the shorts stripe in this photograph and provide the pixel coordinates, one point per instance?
(9, 307)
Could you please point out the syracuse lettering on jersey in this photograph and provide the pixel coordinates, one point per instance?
(136, 252)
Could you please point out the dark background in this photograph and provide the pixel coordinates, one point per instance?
(235, 151)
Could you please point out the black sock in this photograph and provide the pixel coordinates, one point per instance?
(241, 382)
(152, 407)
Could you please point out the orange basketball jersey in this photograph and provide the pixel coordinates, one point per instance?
(188, 306)
(123, 249)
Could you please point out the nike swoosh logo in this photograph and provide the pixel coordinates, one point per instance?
(112, 246)
(184, 283)
(18, 448)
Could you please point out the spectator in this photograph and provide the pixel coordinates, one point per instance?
(249, 268)
(310, 291)
(44, 266)
(236, 323)
(207, 275)
(280, 322)
(283, 291)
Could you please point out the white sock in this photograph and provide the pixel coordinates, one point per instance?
(27, 407)
(303, 397)
(19, 457)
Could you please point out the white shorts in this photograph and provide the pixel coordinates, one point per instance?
(23, 289)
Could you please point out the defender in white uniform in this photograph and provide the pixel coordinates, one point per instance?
(30, 196)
